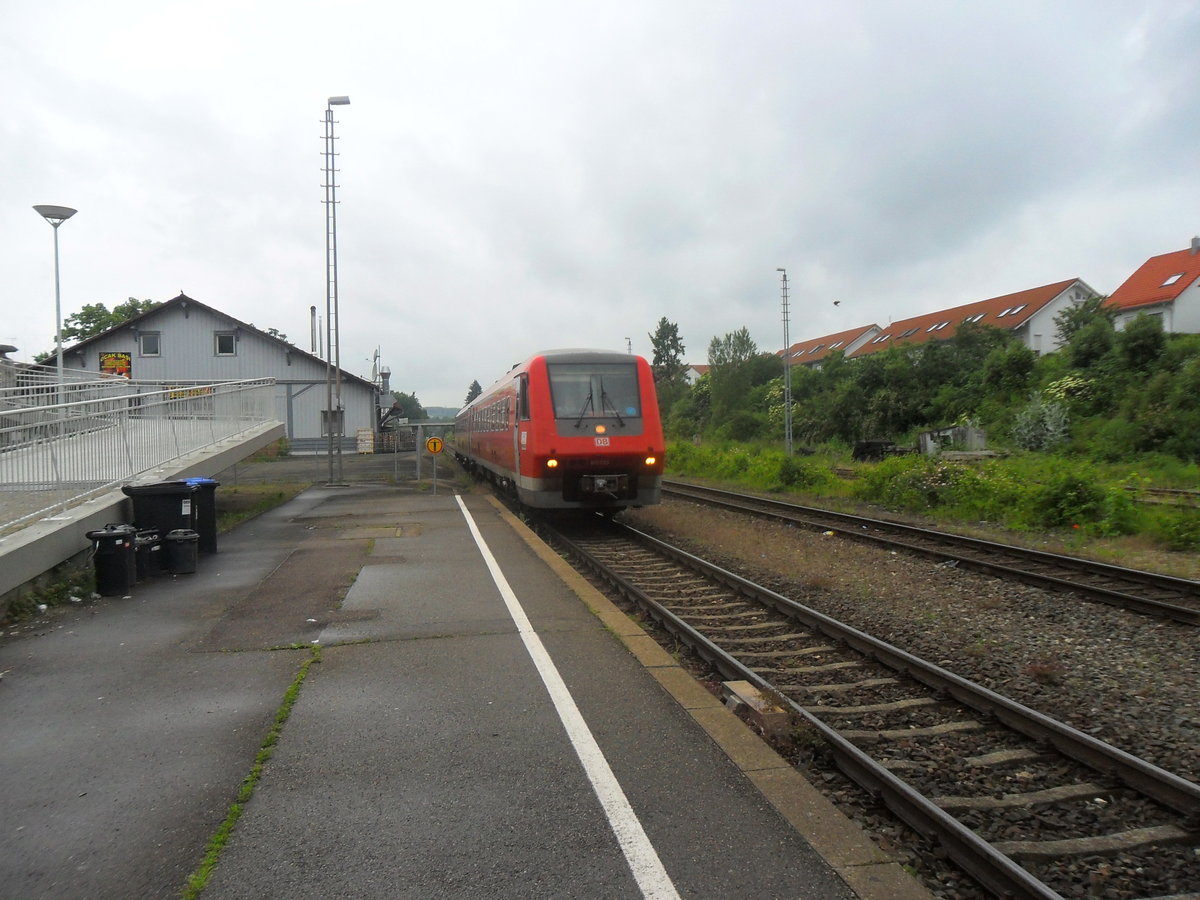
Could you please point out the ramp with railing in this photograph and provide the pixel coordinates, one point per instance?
(63, 442)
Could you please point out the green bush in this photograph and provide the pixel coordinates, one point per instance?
(797, 473)
(1178, 529)
(1067, 499)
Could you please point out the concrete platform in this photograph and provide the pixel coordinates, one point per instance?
(471, 728)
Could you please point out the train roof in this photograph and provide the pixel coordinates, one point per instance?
(583, 355)
(567, 355)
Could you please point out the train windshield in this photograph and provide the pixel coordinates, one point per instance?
(594, 391)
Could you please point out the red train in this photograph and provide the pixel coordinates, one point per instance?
(568, 429)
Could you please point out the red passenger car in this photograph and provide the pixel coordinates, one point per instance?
(568, 429)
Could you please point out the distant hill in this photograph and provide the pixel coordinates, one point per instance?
(441, 412)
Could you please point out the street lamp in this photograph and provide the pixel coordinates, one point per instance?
(56, 215)
(787, 372)
(333, 350)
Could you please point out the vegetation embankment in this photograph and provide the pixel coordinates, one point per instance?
(1080, 505)
(1084, 433)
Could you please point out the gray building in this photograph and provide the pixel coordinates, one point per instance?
(186, 340)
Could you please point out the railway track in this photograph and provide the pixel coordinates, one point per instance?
(1164, 596)
(1027, 806)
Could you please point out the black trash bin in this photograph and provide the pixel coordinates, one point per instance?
(148, 552)
(114, 553)
(205, 510)
(181, 551)
(163, 506)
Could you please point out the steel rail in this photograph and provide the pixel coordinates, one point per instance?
(860, 529)
(996, 871)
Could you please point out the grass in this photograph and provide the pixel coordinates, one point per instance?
(1065, 499)
(200, 878)
(238, 504)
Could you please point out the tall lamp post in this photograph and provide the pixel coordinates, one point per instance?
(335, 417)
(56, 215)
(787, 372)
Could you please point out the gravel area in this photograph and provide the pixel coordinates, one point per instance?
(1124, 678)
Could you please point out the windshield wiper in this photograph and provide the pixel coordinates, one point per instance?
(586, 405)
(605, 403)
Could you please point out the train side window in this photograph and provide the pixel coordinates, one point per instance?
(523, 399)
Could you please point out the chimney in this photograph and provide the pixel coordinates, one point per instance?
(1195, 245)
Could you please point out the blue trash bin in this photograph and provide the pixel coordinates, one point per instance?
(205, 512)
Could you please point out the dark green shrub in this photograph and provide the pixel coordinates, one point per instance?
(1179, 529)
(1067, 499)
(796, 473)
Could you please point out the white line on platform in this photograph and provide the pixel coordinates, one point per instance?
(647, 868)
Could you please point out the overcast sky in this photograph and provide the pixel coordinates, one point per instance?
(518, 176)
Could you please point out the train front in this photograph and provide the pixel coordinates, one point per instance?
(595, 440)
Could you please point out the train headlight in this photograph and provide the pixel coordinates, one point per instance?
(600, 429)
(552, 464)
(650, 460)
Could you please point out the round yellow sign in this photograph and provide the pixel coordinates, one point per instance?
(434, 445)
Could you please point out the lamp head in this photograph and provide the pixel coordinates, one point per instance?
(55, 215)
(339, 101)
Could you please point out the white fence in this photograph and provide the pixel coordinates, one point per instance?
(107, 432)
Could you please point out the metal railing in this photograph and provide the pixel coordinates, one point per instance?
(54, 455)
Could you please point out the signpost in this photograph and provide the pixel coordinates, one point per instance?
(434, 446)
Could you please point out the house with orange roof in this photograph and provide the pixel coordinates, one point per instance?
(692, 373)
(1167, 286)
(814, 351)
(1029, 313)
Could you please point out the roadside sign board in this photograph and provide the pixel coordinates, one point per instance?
(434, 445)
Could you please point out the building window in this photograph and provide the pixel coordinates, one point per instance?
(910, 332)
(938, 327)
(1170, 281)
(149, 343)
(226, 343)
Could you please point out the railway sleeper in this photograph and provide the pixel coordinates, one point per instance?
(1099, 845)
(844, 686)
(1049, 795)
(1004, 757)
(799, 651)
(900, 734)
(894, 706)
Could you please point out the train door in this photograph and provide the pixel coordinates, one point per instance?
(521, 421)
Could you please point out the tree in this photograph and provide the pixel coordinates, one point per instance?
(96, 318)
(1141, 343)
(1074, 318)
(668, 353)
(735, 368)
(410, 406)
(732, 350)
(473, 391)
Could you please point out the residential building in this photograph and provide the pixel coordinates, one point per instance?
(1029, 314)
(814, 351)
(1166, 286)
(186, 340)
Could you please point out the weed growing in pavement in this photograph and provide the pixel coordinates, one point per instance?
(68, 582)
(199, 879)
